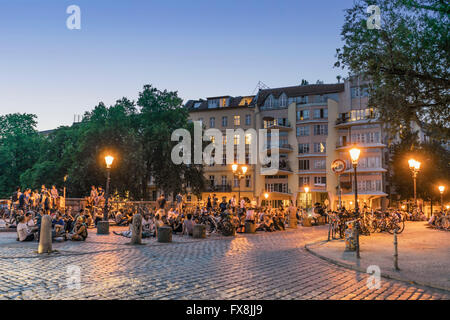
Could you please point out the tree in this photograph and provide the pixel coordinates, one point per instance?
(435, 167)
(19, 149)
(407, 60)
(161, 114)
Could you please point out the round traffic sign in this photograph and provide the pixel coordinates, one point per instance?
(338, 166)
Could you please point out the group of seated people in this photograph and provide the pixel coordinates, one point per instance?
(440, 220)
(67, 226)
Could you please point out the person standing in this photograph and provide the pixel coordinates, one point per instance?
(161, 203)
(179, 200)
(54, 196)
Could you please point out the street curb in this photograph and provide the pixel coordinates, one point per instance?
(383, 274)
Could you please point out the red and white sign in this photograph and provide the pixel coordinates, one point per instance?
(338, 166)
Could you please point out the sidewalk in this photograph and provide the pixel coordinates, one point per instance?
(423, 254)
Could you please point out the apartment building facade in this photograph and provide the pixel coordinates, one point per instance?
(317, 124)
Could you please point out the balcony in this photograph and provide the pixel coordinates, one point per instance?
(219, 188)
(282, 148)
(283, 126)
(346, 121)
(348, 145)
(284, 168)
(279, 188)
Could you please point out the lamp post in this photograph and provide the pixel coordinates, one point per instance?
(306, 188)
(266, 196)
(239, 174)
(109, 161)
(103, 225)
(441, 190)
(415, 168)
(354, 155)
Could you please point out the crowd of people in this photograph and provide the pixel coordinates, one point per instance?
(28, 207)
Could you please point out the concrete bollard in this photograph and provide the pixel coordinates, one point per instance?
(136, 233)
(293, 221)
(199, 231)
(164, 234)
(250, 227)
(396, 268)
(45, 235)
(103, 227)
(307, 222)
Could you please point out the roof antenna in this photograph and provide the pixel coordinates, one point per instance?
(260, 86)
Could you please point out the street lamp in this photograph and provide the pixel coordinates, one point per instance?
(239, 175)
(415, 168)
(109, 161)
(354, 155)
(266, 195)
(441, 190)
(306, 188)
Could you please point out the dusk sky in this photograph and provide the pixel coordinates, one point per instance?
(198, 48)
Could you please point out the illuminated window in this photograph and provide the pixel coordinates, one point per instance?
(237, 120)
(236, 139)
(248, 138)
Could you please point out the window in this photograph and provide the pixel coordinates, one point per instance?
(224, 180)
(248, 138)
(317, 113)
(303, 164)
(213, 139)
(248, 119)
(224, 159)
(304, 131)
(319, 164)
(320, 129)
(247, 181)
(154, 196)
(224, 121)
(283, 100)
(298, 131)
(325, 113)
(212, 122)
(211, 181)
(237, 120)
(235, 182)
(303, 148)
(213, 103)
(303, 181)
(236, 139)
(320, 181)
(302, 115)
(320, 147)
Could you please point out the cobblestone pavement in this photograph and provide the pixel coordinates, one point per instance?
(257, 266)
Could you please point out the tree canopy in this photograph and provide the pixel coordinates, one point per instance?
(435, 167)
(407, 60)
(136, 133)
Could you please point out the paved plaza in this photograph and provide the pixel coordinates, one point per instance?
(249, 266)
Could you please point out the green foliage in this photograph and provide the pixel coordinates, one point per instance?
(407, 60)
(19, 149)
(435, 167)
(138, 135)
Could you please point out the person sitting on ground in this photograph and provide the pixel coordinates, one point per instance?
(188, 226)
(58, 226)
(23, 233)
(80, 232)
(30, 222)
(148, 226)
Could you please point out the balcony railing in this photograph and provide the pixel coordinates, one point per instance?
(219, 188)
(348, 119)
